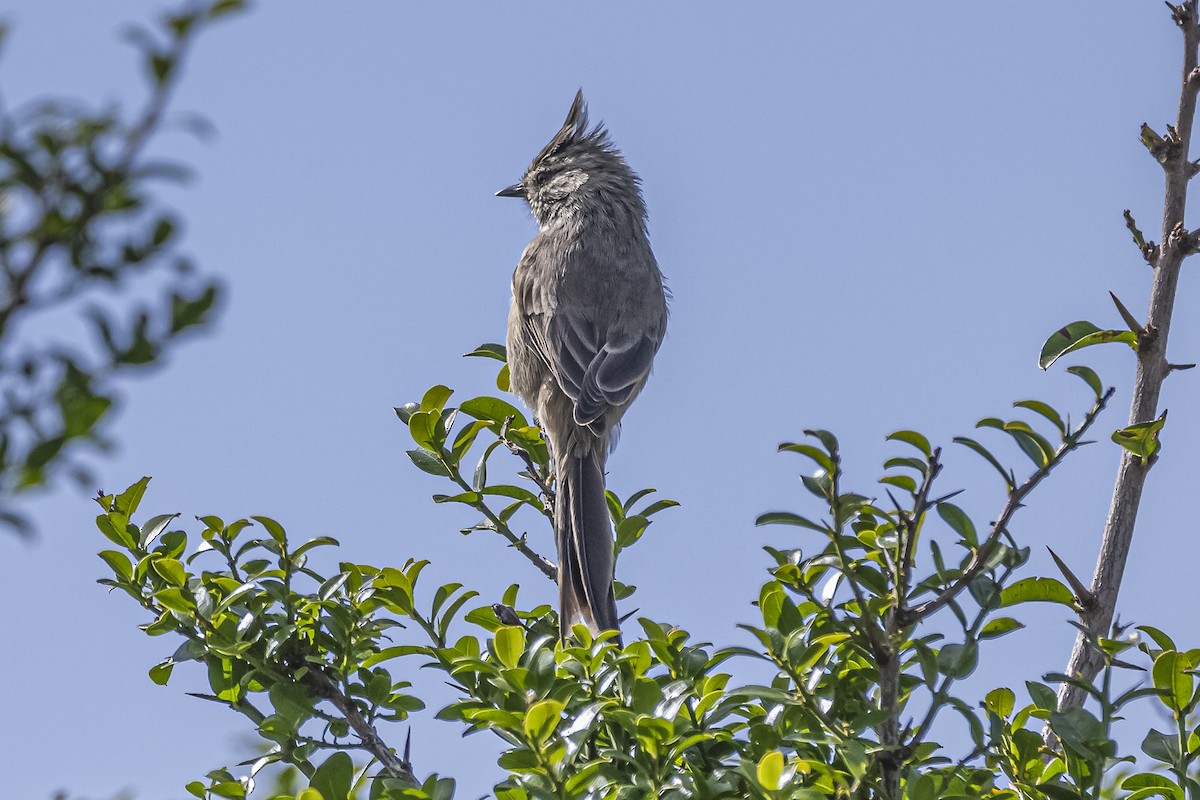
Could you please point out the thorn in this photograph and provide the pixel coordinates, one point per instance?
(408, 748)
(1180, 367)
(622, 620)
(1084, 595)
(946, 497)
(1130, 320)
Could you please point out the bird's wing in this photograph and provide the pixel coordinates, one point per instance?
(597, 369)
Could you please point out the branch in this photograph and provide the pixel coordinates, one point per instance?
(19, 278)
(1152, 370)
(531, 468)
(393, 765)
(501, 527)
(921, 505)
(979, 558)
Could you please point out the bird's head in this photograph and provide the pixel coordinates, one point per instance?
(579, 170)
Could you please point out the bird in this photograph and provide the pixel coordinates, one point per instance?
(588, 315)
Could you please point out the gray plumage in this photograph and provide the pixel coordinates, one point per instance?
(588, 315)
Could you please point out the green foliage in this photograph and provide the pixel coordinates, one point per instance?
(319, 662)
(79, 218)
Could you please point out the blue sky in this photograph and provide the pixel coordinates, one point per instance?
(870, 217)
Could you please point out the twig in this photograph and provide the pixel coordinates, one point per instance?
(546, 566)
(980, 557)
(921, 505)
(393, 765)
(531, 467)
(20, 278)
(1152, 370)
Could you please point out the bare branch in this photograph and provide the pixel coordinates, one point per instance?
(1152, 365)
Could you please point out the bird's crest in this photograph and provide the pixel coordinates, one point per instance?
(575, 132)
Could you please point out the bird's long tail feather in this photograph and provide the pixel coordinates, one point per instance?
(585, 546)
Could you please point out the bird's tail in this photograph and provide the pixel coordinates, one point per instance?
(585, 546)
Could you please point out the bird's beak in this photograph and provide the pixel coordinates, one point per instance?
(516, 190)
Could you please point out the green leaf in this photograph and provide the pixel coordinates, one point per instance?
(332, 779)
(541, 720)
(161, 67)
(1000, 626)
(119, 563)
(406, 411)
(1032, 590)
(905, 482)
(317, 541)
(787, 518)
(127, 502)
(1161, 639)
(395, 651)
(958, 520)
(1078, 335)
(1161, 747)
(1173, 677)
(233, 596)
(913, 438)
(1089, 376)
(1031, 443)
(509, 643)
(171, 570)
(1000, 702)
(1147, 784)
(188, 312)
(175, 599)
(161, 673)
(496, 351)
(220, 9)
(81, 407)
(770, 770)
(1038, 407)
(114, 531)
(819, 484)
(291, 702)
(466, 437)
(816, 454)
(958, 660)
(273, 528)
(1141, 439)
(1079, 729)
(435, 398)
(494, 410)
(422, 426)
(987, 455)
(428, 462)
(153, 528)
(825, 437)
